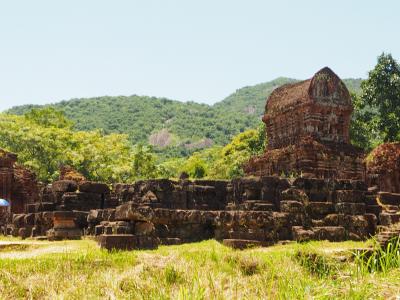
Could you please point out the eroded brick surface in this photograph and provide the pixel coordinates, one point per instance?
(307, 125)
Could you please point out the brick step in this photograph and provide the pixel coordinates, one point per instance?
(170, 241)
(40, 207)
(126, 242)
(259, 201)
(330, 233)
(389, 198)
(291, 206)
(318, 210)
(231, 206)
(56, 234)
(387, 218)
(350, 208)
(350, 196)
(390, 233)
(116, 241)
(241, 244)
(390, 208)
(245, 234)
(256, 205)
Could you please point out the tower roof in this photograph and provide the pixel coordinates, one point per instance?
(324, 86)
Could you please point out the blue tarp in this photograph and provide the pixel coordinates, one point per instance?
(4, 202)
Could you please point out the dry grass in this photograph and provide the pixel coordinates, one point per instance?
(205, 270)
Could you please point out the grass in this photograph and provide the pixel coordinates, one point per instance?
(382, 259)
(205, 270)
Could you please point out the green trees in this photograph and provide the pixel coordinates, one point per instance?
(381, 91)
(48, 117)
(364, 131)
(229, 163)
(44, 140)
(220, 162)
(377, 110)
(144, 163)
(39, 148)
(187, 122)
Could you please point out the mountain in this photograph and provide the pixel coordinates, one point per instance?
(175, 128)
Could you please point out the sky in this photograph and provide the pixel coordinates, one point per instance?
(185, 50)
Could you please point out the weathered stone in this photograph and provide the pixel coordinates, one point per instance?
(170, 241)
(388, 219)
(292, 206)
(82, 201)
(295, 194)
(64, 233)
(389, 198)
(132, 212)
(144, 228)
(350, 208)
(99, 229)
(24, 232)
(117, 241)
(93, 187)
(301, 234)
(330, 233)
(348, 196)
(307, 124)
(81, 218)
(319, 209)
(147, 242)
(241, 244)
(29, 219)
(64, 186)
(18, 220)
(374, 209)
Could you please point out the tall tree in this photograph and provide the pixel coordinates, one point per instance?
(381, 92)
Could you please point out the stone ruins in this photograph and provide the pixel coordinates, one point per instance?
(311, 184)
(307, 127)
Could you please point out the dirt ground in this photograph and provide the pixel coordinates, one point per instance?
(18, 249)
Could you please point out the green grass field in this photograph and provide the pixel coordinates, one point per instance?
(205, 270)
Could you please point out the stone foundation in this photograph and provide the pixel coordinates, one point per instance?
(310, 158)
(258, 211)
(244, 212)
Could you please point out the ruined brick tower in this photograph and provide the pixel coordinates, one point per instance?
(307, 125)
(17, 184)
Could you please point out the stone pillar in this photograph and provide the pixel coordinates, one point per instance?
(64, 226)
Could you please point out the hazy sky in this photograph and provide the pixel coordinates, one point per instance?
(185, 50)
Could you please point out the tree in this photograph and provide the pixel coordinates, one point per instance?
(381, 92)
(144, 163)
(229, 162)
(48, 117)
(44, 143)
(364, 130)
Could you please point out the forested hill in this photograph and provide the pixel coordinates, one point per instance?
(178, 127)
